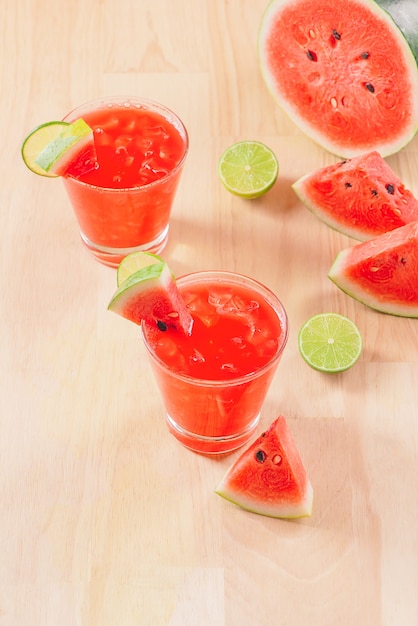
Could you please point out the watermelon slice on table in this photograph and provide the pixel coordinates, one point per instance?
(345, 71)
(382, 273)
(269, 478)
(361, 197)
(151, 295)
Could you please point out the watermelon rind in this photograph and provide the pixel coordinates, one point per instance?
(287, 490)
(283, 511)
(382, 273)
(405, 15)
(151, 295)
(344, 105)
(361, 197)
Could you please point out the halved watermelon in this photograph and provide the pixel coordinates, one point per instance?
(361, 197)
(382, 273)
(151, 295)
(71, 153)
(269, 478)
(343, 70)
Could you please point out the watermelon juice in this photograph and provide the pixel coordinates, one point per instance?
(214, 382)
(123, 203)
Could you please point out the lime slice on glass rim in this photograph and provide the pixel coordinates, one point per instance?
(248, 169)
(330, 342)
(36, 141)
(134, 262)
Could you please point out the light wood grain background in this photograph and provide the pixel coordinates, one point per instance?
(105, 520)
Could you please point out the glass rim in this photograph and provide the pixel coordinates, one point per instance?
(273, 301)
(146, 103)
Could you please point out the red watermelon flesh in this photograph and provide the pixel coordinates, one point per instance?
(361, 197)
(269, 478)
(343, 71)
(81, 161)
(382, 273)
(151, 295)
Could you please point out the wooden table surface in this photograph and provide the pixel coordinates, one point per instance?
(105, 519)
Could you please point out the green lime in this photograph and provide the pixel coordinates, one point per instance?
(248, 169)
(36, 142)
(134, 262)
(330, 342)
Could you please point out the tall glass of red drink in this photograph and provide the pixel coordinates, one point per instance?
(124, 203)
(214, 382)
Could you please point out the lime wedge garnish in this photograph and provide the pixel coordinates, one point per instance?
(36, 142)
(330, 342)
(248, 169)
(134, 262)
(49, 147)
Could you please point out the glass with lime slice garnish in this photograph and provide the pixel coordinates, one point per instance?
(123, 202)
(248, 169)
(330, 342)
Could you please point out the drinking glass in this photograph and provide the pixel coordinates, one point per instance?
(144, 143)
(217, 414)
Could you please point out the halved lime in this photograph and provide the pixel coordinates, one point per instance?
(36, 142)
(248, 169)
(134, 262)
(330, 342)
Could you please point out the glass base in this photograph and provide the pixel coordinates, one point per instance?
(113, 256)
(211, 445)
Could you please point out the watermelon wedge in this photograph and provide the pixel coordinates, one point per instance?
(269, 477)
(382, 273)
(71, 153)
(345, 71)
(151, 295)
(361, 197)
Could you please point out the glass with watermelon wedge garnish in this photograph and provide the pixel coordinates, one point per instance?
(120, 160)
(214, 340)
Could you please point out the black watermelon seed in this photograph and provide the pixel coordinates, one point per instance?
(260, 456)
(365, 55)
(370, 87)
(311, 55)
(336, 34)
(374, 192)
(390, 189)
(162, 326)
(348, 185)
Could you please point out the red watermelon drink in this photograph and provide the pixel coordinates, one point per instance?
(124, 203)
(214, 382)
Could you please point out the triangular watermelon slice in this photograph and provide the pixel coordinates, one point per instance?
(360, 197)
(269, 477)
(71, 153)
(151, 295)
(382, 273)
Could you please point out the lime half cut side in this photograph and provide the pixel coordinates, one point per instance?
(248, 169)
(134, 262)
(330, 342)
(36, 141)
